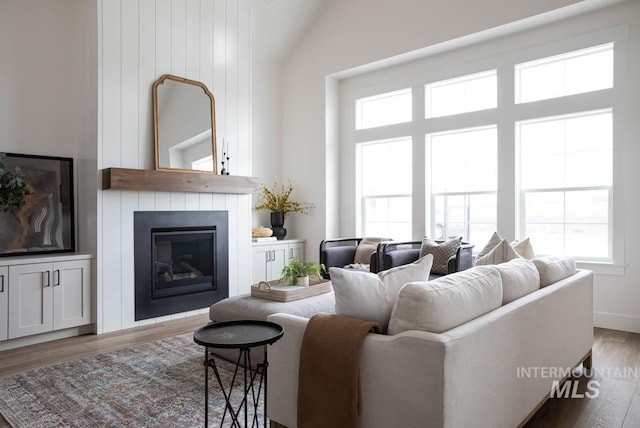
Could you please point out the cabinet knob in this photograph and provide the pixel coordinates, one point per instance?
(45, 279)
(1, 283)
(56, 277)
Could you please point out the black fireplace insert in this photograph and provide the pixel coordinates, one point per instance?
(181, 261)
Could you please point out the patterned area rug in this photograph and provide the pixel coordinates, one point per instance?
(157, 384)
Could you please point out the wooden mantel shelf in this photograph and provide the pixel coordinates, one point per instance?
(176, 181)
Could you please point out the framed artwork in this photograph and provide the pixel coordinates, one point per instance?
(36, 205)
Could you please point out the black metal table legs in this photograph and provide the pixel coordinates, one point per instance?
(249, 395)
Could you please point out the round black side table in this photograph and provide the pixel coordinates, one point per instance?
(241, 335)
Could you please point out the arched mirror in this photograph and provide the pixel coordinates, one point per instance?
(185, 125)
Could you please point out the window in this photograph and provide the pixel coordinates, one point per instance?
(571, 73)
(518, 135)
(565, 181)
(463, 167)
(461, 95)
(385, 188)
(384, 109)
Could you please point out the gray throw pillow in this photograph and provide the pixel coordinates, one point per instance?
(441, 253)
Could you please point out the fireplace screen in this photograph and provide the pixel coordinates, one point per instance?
(183, 261)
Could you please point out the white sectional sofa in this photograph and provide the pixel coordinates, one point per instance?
(468, 375)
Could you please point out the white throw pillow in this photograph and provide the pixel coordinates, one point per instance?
(371, 297)
(554, 268)
(524, 248)
(493, 243)
(503, 252)
(519, 278)
(447, 302)
(365, 248)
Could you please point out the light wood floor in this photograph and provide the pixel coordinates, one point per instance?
(618, 404)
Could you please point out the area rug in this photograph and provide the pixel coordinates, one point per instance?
(157, 384)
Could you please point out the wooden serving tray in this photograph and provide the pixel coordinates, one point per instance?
(275, 290)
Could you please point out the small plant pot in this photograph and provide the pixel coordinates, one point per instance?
(302, 280)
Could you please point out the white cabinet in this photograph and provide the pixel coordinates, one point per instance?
(267, 262)
(268, 258)
(48, 296)
(4, 303)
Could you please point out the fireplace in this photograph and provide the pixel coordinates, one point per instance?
(181, 261)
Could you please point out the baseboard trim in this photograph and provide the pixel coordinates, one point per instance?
(46, 337)
(616, 322)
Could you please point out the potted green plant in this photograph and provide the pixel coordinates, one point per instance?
(298, 273)
(278, 201)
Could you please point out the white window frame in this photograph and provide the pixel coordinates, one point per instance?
(476, 58)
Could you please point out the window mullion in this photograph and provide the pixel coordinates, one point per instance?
(420, 203)
(507, 155)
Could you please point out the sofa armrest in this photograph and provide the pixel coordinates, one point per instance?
(374, 264)
(400, 257)
(463, 259)
(338, 256)
(396, 253)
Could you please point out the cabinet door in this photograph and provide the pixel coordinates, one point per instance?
(260, 256)
(4, 303)
(296, 250)
(30, 299)
(71, 282)
(279, 258)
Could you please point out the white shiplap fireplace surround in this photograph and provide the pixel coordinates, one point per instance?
(138, 41)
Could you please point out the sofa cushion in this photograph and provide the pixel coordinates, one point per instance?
(501, 253)
(447, 302)
(554, 268)
(365, 248)
(441, 253)
(247, 307)
(371, 296)
(519, 278)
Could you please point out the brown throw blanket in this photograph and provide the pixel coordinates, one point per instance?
(329, 377)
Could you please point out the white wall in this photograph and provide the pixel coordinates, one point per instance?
(47, 87)
(276, 27)
(343, 39)
(139, 40)
(266, 140)
(42, 69)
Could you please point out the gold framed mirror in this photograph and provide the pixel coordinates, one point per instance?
(184, 124)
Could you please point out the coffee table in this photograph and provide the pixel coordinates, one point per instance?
(241, 335)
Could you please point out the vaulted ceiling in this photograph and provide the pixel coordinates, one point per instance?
(278, 25)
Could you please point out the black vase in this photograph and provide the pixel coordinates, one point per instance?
(277, 223)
